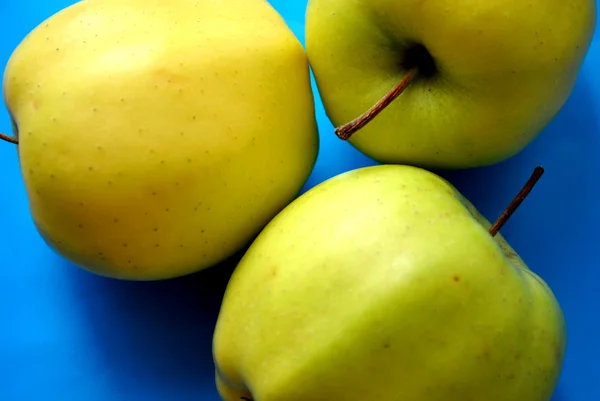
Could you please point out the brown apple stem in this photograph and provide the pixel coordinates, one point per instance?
(345, 131)
(9, 139)
(535, 176)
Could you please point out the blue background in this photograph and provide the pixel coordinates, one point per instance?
(66, 334)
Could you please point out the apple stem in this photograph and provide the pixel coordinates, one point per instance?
(535, 176)
(345, 131)
(9, 139)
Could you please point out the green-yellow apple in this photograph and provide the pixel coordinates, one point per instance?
(157, 138)
(385, 283)
(476, 81)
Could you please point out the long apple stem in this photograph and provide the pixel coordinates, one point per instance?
(345, 131)
(535, 176)
(10, 139)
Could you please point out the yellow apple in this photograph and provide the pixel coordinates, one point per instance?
(157, 138)
(485, 77)
(385, 283)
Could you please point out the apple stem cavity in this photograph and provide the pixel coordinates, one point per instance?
(9, 139)
(347, 130)
(535, 176)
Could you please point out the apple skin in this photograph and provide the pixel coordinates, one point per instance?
(504, 70)
(383, 283)
(158, 138)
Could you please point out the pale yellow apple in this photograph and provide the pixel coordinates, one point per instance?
(382, 284)
(157, 138)
(491, 74)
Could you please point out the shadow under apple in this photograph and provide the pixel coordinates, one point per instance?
(154, 335)
(560, 395)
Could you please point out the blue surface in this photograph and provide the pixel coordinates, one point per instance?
(66, 334)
